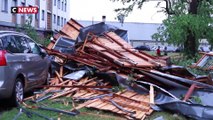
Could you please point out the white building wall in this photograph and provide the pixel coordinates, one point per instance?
(6, 16)
(43, 6)
(61, 13)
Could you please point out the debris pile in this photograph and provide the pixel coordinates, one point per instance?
(106, 73)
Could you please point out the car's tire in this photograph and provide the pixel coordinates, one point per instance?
(18, 92)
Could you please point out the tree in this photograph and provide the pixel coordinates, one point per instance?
(188, 22)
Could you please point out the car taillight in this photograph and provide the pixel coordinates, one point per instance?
(3, 61)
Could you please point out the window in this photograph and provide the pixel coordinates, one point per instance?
(42, 15)
(65, 20)
(21, 44)
(37, 16)
(61, 21)
(58, 20)
(65, 6)
(9, 44)
(33, 46)
(54, 18)
(54, 2)
(62, 5)
(58, 4)
(4, 6)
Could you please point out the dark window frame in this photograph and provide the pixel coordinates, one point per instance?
(54, 2)
(54, 18)
(62, 20)
(42, 15)
(58, 20)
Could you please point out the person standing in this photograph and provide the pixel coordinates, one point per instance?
(158, 51)
(165, 51)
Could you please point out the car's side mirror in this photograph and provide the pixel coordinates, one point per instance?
(43, 53)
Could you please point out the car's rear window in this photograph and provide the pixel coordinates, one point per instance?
(9, 44)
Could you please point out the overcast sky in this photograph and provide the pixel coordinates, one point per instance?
(95, 9)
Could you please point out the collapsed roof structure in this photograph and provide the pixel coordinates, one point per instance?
(90, 62)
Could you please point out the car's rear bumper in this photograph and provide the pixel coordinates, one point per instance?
(6, 83)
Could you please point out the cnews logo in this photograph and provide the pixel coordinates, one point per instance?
(24, 10)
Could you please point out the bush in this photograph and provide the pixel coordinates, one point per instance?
(32, 33)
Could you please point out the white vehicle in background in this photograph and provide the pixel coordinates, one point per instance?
(204, 48)
(162, 48)
(171, 48)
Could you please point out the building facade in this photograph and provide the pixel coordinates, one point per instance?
(52, 15)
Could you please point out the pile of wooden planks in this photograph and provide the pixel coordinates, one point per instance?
(97, 94)
(127, 103)
(107, 50)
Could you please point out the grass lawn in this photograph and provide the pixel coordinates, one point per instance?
(85, 113)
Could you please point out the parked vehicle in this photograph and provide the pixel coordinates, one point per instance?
(162, 48)
(179, 49)
(23, 65)
(143, 47)
(204, 48)
(171, 48)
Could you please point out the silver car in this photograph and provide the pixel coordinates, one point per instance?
(23, 65)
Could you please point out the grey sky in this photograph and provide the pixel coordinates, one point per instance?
(94, 9)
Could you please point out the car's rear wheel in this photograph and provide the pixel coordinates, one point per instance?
(18, 92)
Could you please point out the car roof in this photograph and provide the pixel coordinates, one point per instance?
(4, 31)
(12, 32)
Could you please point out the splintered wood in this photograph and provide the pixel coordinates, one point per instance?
(98, 95)
(127, 103)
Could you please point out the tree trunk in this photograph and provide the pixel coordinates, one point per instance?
(190, 43)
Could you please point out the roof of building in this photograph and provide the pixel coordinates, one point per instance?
(136, 31)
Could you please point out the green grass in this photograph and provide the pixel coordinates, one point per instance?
(85, 114)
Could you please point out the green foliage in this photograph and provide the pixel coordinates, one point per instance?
(175, 29)
(180, 23)
(32, 33)
(186, 62)
(196, 99)
(130, 5)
